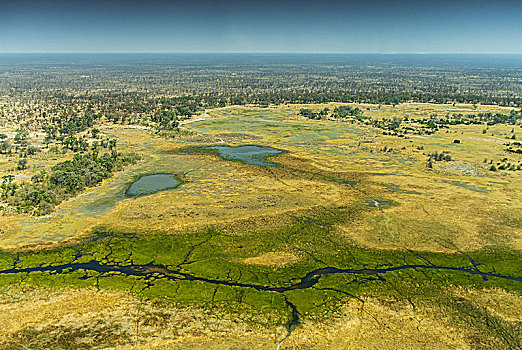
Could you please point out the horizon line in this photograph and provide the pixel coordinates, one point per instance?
(259, 52)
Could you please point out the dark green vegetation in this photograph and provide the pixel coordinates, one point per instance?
(251, 154)
(338, 112)
(152, 183)
(65, 180)
(404, 126)
(206, 268)
(515, 147)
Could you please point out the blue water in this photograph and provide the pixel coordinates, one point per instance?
(253, 155)
(151, 184)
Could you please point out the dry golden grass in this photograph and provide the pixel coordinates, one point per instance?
(84, 319)
(272, 259)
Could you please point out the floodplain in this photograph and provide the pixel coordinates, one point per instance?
(273, 230)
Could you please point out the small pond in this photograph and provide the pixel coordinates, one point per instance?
(151, 184)
(253, 155)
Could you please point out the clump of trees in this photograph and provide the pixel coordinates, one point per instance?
(86, 170)
(442, 156)
(347, 111)
(438, 157)
(5, 146)
(65, 179)
(515, 147)
(504, 164)
(340, 112)
(310, 114)
(166, 120)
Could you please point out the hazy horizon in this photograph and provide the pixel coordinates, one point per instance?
(257, 53)
(285, 26)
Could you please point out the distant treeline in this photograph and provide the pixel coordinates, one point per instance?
(393, 98)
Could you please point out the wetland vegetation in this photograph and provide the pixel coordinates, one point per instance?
(248, 154)
(150, 184)
(288, 205)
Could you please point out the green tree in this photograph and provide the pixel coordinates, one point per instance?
(22, 164)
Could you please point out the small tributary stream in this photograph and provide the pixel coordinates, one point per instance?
(307, 281)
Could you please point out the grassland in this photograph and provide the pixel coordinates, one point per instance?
(343, 195)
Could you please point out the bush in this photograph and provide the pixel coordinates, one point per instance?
(31, 150)
(22, 164)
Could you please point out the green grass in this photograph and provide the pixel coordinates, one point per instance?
(214, 255)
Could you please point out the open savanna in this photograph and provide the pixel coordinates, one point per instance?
(224, 250)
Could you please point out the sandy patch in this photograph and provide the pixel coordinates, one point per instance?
(272, 259)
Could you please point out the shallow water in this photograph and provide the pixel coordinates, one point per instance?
(467, 186)
(374, 203)
(398, 189)
(253, 155)
(151, 184)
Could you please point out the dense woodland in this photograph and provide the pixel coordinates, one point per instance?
(62, 89)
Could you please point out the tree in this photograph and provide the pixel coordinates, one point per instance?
(94, 133)
(22, 163)
(31, 150)
(21, 135)
(5, 146)
(39, 178)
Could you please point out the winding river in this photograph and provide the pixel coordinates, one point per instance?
(308, 281)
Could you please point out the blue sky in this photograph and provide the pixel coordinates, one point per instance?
(370, 26)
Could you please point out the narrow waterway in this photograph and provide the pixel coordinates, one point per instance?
(307, 281)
